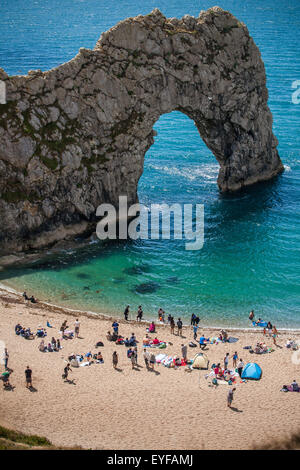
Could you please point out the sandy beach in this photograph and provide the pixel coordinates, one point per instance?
(105, 408)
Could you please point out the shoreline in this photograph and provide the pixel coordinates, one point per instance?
(105, 316)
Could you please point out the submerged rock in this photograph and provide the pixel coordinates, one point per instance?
(73, 137)
(172, 280)
(134, 270)
(83, 276)
(146, 287)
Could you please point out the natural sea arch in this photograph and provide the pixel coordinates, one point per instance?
(76, 136)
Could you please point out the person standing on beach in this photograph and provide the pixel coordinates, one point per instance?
(139, 314)
(146, 358)
(274, 334)
(172, 325)
(132, 358)
(115, 359)
(77, 326)
(230, 397)
(67, 369)
(226, 361)
(193, 318)
(179, 326)
(6, 357)
(28, 377)
(184, 351)
(240, 367)
(152, 361)
(195, 329)
(115, 327)
(234, 359)
(126, 312)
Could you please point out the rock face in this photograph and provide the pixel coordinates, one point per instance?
(75, 136)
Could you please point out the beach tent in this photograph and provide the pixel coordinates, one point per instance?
(200, 361)
(251, 371)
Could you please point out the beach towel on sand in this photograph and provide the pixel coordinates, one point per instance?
(231, 339)
(167, 361)
(160, 357)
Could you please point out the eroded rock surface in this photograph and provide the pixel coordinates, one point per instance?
(75, 136)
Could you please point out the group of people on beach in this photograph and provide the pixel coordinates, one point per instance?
(268, 330)
(31, 299)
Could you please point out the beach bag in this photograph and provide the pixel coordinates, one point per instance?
(99, 344)
(192, 345)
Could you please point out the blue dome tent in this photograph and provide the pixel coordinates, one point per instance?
(251, 371)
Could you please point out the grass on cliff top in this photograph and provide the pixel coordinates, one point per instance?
(14, 440)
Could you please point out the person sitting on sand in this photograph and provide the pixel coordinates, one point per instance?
(28, 334)
(108, 336)
(41, 333)
(114, 336)
(119, 340)
(295, 386)
(53, 344)
(146, 340)
(202, 342)
(99, 357)
(25, 295)
(132, 341)
(42, 346)
(18, 329)
(155, 341)
(152, 327)
(218, 371)
(5, 380)
(177, 361)
(224, 336)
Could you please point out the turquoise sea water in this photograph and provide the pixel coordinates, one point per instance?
(250, 257)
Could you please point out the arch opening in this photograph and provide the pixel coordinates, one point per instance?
(178, 167)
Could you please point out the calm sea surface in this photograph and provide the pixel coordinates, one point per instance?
(250, 257)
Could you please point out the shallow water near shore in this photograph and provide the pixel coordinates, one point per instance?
(250, 258)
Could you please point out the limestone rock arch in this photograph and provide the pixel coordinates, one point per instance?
(75, 136)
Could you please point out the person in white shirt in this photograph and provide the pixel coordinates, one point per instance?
(240, 367)
(77, 326)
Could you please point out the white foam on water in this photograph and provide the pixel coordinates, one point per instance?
(206, 171)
